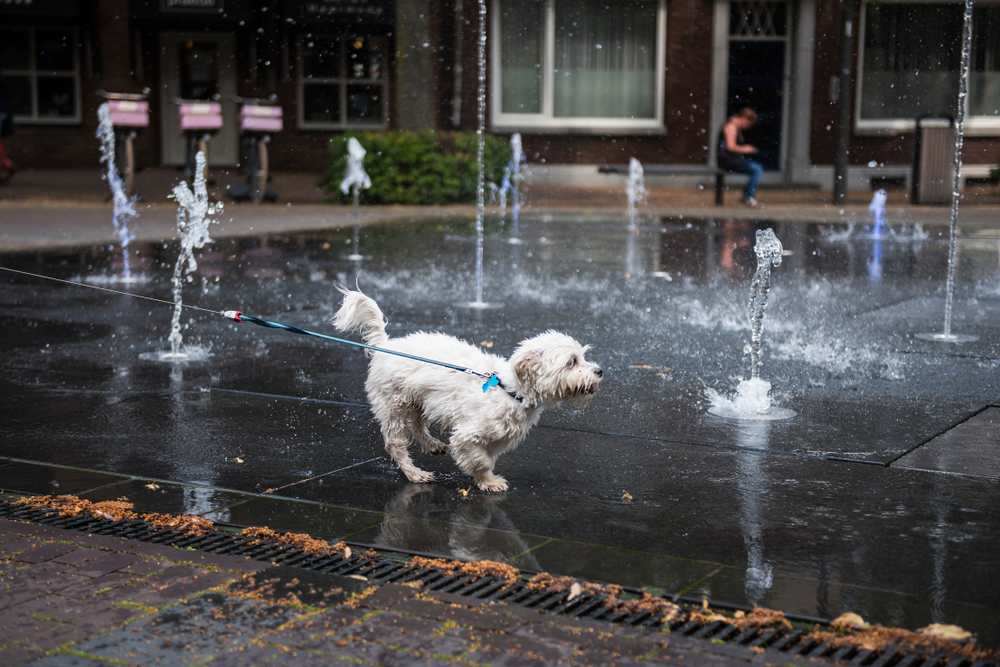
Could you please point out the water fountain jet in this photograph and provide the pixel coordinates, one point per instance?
(123, 204)
(478, 303)
(194, 216)
(513, 176)
(946, 335)
(877, 209)
(355, 180)
(752, 399)
(635, 191)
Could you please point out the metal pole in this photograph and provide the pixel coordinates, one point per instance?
(841, 154)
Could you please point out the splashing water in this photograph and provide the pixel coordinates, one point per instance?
(194, 216)
(355, 180)
(947, 336)
(124, 205)
(635, 190)
(831, 233)
(753, 396)
(880, 228)
(910, 232)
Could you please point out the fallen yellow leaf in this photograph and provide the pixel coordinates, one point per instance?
(944, 631)
(849, 621)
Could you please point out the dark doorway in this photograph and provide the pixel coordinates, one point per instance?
(757, 80)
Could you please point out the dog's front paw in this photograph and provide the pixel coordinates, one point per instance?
(493, 484)
(419, 476)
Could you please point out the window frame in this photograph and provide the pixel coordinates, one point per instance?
(342, 81)
(33, 74)
(974, 125)
(546, 120)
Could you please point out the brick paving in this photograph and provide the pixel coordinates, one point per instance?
(68, 598)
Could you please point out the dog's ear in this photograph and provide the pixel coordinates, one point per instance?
(527, 365)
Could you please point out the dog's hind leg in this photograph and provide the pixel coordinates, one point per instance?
(396, 433)
(422, 436)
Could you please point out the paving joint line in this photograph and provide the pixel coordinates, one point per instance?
(937, 435)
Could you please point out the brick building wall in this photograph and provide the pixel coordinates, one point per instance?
(687, 100)
(120, 51)
(889, 149)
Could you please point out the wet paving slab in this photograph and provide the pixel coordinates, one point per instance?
(969, 448)
(30, 478)
(802, 514)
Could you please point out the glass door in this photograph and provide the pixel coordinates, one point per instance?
(198, 67)
(758, 73)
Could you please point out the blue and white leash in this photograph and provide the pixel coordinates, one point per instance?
(490, 379)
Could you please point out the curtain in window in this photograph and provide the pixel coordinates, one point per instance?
(984, 78)
(605, 58)
(522, 30)
(912, 59)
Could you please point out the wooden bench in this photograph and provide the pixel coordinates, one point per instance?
(678, 170)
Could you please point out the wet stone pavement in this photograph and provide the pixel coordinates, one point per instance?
(882, 496)
(71, 599)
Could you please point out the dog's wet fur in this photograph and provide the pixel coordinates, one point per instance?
(409, 397)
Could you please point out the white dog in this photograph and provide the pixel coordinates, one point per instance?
(408, 396)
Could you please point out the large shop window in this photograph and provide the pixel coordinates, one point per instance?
(910, 65)
(40, 74)
(578, 63)
(342, 81)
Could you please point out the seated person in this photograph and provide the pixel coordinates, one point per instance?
(732, 155)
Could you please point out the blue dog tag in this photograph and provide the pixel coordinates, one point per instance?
(491, 381)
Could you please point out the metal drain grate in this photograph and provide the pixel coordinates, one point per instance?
(384, 569)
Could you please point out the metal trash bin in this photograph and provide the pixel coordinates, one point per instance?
(933, 153)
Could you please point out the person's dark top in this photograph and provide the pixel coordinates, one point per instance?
(723, 150)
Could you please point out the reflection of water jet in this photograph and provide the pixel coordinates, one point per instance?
(752, 484)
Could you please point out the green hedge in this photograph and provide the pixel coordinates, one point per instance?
(418, 167)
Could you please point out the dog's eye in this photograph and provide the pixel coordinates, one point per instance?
(573, 361)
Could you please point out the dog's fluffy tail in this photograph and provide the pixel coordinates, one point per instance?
(359, 312)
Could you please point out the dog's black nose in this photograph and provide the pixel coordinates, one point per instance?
(599, 372)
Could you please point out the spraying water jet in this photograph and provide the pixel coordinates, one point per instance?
(355, 180)
(946, 335)
(478, 303)
(194, 216)
(122, 202)
(513, 177)
(635, 191)
(752, 399)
